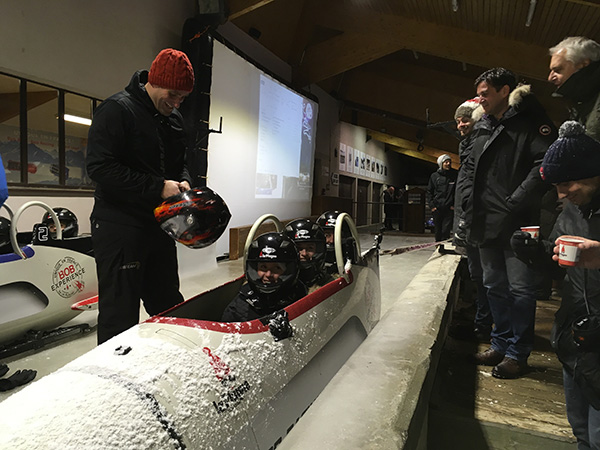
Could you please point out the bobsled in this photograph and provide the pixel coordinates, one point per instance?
(44, 282)
(185, 380)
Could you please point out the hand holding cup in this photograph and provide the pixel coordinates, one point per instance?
(577, 251)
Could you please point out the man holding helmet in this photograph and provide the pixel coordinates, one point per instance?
(136, 157)
(272, 269)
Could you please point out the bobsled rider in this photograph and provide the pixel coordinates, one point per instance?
(4, 234)
(272, 274)
(68, 223)
(136, 156)
(311, 244)
(327, 222)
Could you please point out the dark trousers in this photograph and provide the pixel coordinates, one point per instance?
(442, 219)
(510, 285)
(483, 317)
(389, 221)
(583, 417)
(132, 264)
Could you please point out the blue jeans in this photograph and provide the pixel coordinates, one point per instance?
(511, 286)
(483, 316)
(583, 418)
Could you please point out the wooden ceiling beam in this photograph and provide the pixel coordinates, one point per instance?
(407, 98)
(10, 102)
(399, 87)
(593, 4)
(370, 36)
(238, 8)
(410, 148)
(431, 137)
(303, 32)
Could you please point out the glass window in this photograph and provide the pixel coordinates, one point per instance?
(55, 124)
(42, 135)
(10, 138)
(78, 117)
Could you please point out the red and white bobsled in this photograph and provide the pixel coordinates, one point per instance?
(184, 380)
(46, 284)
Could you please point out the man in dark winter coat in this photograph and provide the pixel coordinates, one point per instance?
(506, 193)
(440, 197)
(136, 156)
(572, 164)
(575, 71)
(389, 207)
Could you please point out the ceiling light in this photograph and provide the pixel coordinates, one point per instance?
(530, 12)
(77, 119)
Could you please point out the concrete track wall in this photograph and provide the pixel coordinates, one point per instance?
(378, 400)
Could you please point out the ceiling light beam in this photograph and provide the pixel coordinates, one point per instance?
(530, 12)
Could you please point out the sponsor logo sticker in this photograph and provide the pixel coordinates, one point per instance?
(67, 277)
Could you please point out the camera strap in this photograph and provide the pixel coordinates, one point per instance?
(585, 282)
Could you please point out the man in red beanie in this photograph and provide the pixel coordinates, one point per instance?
(136, 157)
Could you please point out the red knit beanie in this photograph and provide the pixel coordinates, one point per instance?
(171, 69)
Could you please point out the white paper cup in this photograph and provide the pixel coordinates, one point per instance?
(533, 230)
(568, 251)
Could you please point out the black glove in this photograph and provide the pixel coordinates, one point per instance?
(3, 369)
(527, 249)
(279, 325)
(19, 378)
(460, 235)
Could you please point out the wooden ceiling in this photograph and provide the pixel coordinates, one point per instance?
(390, 61)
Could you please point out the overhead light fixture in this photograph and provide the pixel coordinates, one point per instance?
(77, 119)
(530, 12)
(455, 5)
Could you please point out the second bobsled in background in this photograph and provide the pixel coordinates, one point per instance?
(44, 282)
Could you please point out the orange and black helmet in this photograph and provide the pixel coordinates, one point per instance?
(196, 218)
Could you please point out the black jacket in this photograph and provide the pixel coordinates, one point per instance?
(440, 191)
(463, 186)
(582, 90)
(132, 149)
(249, 305)
(388, 203)
(585, 368)
(505, 188)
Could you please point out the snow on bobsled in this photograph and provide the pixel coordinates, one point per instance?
(44, 282)
(185, 380)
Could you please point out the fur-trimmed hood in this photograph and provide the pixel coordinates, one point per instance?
(477, 114)
(521, 100)
(516, 97)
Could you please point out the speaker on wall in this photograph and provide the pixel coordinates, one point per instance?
(212, 12)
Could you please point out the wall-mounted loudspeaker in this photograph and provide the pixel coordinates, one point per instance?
(212, 12)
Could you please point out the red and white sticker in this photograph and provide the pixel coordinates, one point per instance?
(67, 277)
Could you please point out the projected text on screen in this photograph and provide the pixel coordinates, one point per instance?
(286, 134)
